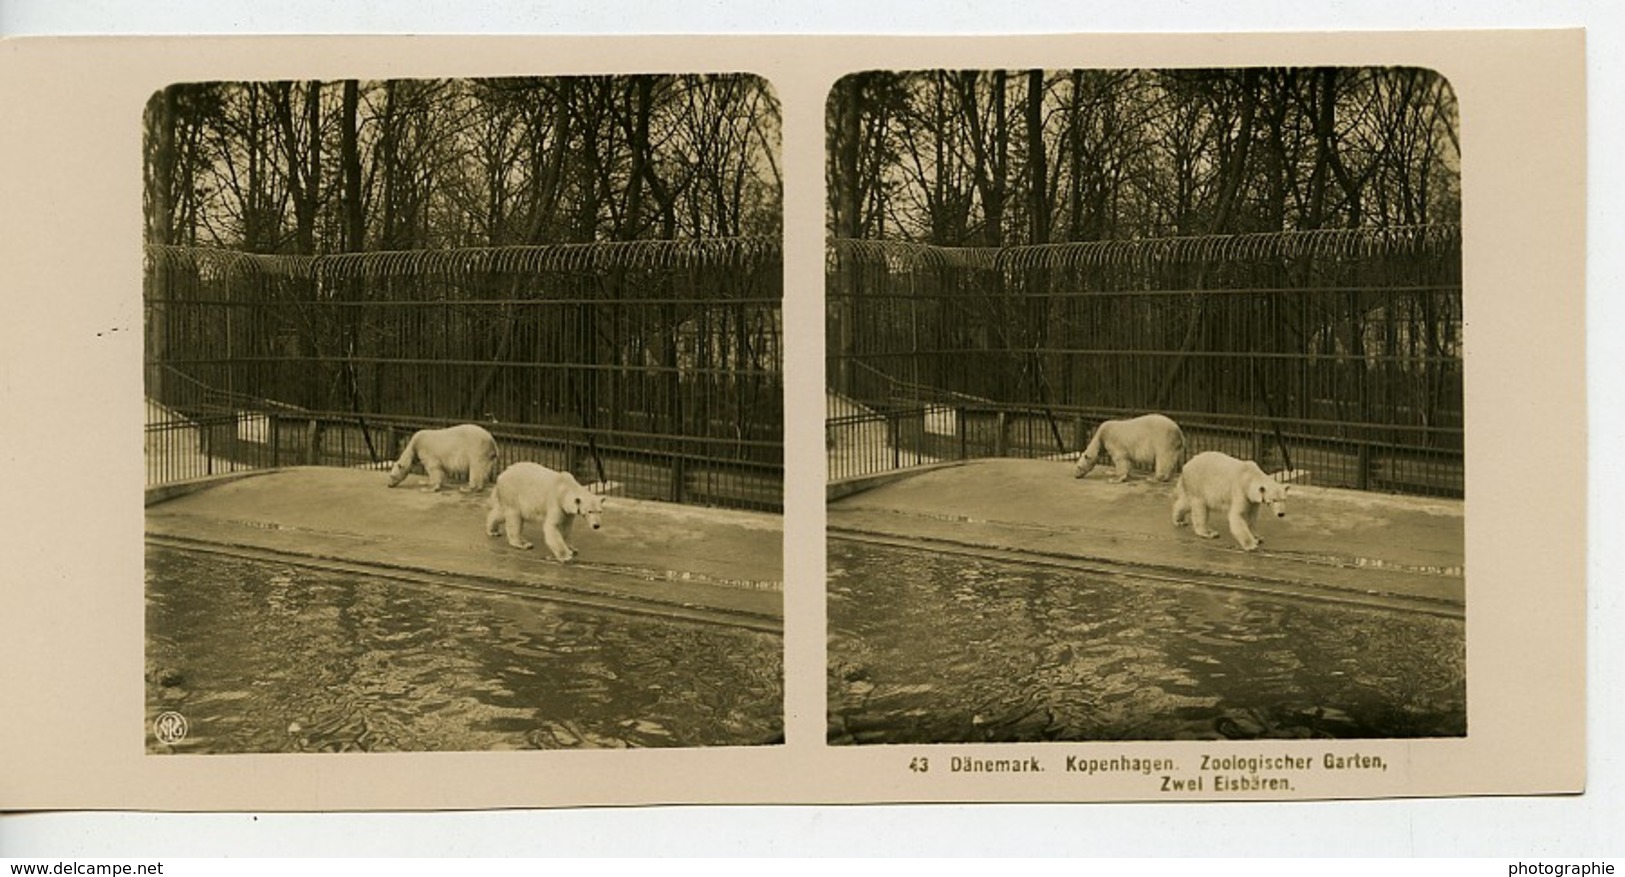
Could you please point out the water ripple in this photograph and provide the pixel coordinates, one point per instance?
(263, 657)
(930, 648)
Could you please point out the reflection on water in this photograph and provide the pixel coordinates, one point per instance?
(934, 648)
(263, 657)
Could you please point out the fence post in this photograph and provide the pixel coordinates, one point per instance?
(272, 424)
(679, 477)
(1258, 447)
(313, 438)
(1001, 438)
(1080, 438)
(1362, 473)
(232, 437)
(959, 427)
(894, 431)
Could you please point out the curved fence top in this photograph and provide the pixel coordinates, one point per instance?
(705, 252)
(904, 255)
(1413, 240)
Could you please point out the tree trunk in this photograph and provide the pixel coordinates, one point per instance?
(849, 100)
(354, 238)
(355, 221)
(160, 224)
(1039, 219)
(1235, 173)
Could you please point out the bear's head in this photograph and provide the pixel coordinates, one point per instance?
(397, 474)
(399, 471)
(1086, 462)
(587, 505)
(1268, 491)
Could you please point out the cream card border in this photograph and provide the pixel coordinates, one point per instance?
(71, 606)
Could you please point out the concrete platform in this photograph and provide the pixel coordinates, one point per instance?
(1399, 551)
(689, 562)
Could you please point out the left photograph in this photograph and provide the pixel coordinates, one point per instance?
(464, 414)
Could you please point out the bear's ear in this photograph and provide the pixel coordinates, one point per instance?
(1258, 491)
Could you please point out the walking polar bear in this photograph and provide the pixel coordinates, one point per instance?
(532, 492)
(1239, 488)
(1150, 440)
(463, 452)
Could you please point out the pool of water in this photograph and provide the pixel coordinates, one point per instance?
(263, 657)
(933, 648)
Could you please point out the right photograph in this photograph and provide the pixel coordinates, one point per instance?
(1144, 405)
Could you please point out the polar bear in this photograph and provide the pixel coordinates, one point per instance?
(532, 492)
(1149, 440)
(1213, 480)
(465, 451)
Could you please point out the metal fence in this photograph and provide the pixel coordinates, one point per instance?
(656, 365)
(1334, 353)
